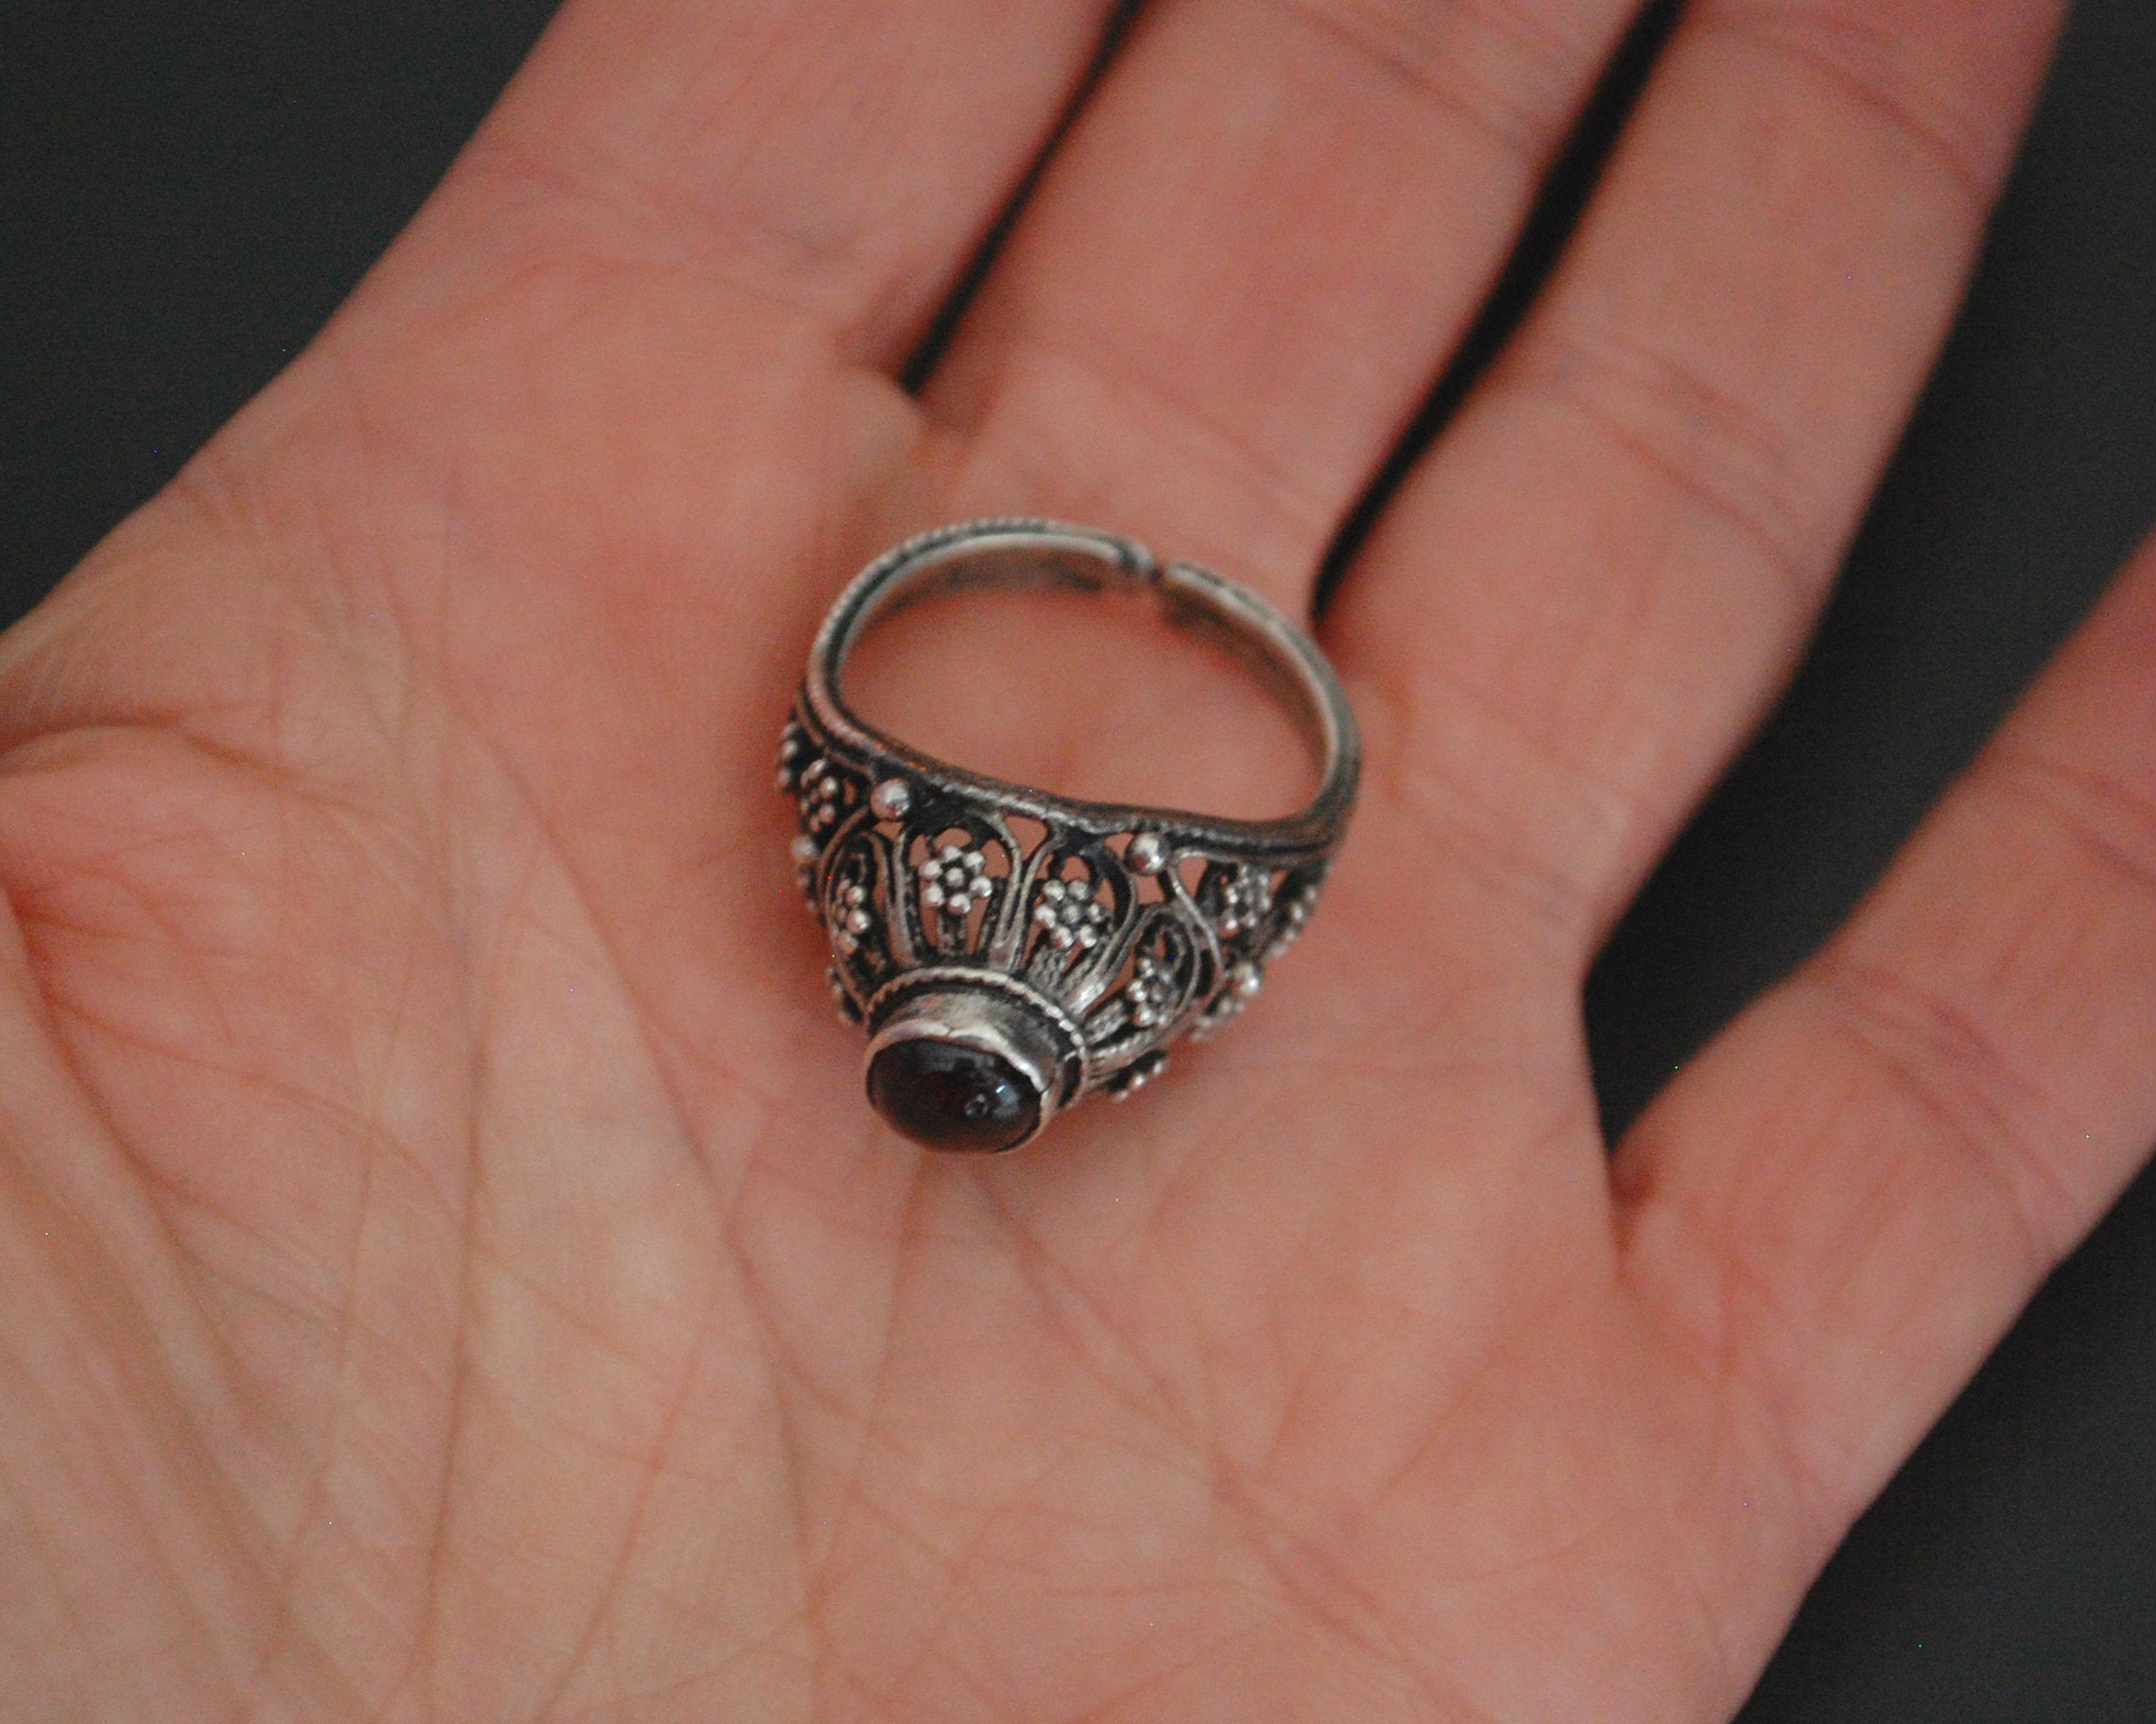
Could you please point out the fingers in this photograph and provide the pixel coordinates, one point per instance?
(1585, 596)
(842, 157)
(1237, 277)
(1840, 1206)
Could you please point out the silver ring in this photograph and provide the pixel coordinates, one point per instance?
(1001, 979)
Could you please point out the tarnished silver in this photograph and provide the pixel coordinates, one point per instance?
(1058, 946)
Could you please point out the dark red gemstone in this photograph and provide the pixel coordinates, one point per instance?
(949, 1096)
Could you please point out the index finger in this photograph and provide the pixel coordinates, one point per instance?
(843, 159)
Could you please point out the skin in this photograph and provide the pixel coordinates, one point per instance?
(448, 1271)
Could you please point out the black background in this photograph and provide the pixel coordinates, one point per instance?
(187, 189)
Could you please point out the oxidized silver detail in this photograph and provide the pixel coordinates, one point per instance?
(1074, 957)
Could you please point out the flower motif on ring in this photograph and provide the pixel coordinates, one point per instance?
(1140, 1072)
(1150, 992)
(851, 918)
(954, 879)
(1241, 986)
(819, 792)
(793, 744)
(1069, 915)
(1294, 912)
(1244, 902)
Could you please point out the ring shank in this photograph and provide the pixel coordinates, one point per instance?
(1016, 553)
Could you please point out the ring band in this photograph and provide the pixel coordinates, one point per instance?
(1001, 978)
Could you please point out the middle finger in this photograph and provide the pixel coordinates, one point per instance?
(1243, 267)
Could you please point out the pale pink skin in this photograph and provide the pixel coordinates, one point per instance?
(446, 1268)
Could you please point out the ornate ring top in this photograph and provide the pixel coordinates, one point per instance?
(1010, 951)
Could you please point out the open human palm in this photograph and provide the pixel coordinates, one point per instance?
(448, 1270)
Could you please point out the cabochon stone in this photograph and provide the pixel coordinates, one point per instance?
(952, 1096)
